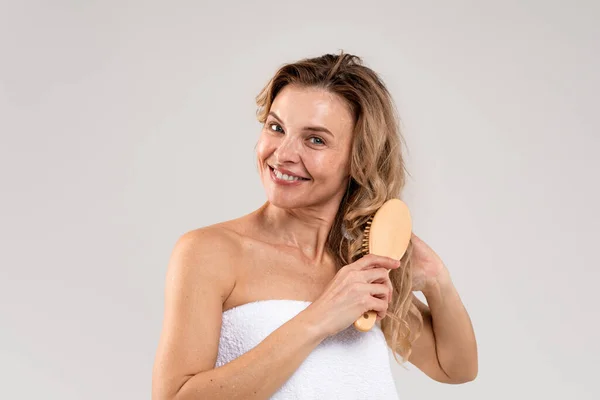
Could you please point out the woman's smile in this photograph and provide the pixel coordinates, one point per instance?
(286, 179)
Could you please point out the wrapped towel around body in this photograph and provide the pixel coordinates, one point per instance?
(350, 365)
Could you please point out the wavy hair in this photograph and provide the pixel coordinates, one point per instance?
(377, 171)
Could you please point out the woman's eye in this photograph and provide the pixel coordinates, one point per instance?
(272, 125)
(317, 140)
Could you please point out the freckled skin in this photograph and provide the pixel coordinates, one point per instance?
(316, 155)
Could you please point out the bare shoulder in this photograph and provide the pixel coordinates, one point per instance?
(208, 253)
(212, 238)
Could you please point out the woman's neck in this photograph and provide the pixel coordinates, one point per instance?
(306, 229)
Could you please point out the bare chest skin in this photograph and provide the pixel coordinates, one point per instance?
(274, 271)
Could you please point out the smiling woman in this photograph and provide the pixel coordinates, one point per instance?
(263, 306)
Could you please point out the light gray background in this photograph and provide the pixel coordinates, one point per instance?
(125, 124)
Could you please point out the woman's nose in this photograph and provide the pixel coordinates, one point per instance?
(287, 150)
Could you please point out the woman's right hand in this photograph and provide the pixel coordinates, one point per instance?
(356, 288)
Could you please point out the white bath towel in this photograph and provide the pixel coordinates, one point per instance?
(350, 365)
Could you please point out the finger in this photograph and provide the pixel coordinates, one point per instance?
(378, 290)
(377, 300)
(384, 279)
(379, 306)
(377, 275)
(373, 260)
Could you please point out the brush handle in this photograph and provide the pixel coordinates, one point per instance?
(366, 321)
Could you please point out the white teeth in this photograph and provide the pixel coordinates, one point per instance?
(284, 176)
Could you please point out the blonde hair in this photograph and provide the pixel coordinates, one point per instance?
(377, 171)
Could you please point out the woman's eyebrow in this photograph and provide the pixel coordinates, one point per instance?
(306, 128)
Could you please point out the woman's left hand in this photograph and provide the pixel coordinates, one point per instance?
(428, 269)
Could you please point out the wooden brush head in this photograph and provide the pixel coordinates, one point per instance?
(387, 234)
(390, 231)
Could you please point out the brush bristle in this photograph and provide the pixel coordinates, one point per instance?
(365, 241)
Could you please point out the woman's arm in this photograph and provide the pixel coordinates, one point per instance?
(260, 372)
(446, 350)
(199, 278)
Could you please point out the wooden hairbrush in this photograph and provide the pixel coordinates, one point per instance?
(387, 234)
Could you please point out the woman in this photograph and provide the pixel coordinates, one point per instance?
(262, 306)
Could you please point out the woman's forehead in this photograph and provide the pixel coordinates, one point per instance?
(300, 107)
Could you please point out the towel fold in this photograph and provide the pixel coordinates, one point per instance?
(349, 365)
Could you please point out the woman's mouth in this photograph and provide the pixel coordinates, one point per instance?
(285, 179)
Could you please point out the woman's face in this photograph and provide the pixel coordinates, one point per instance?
(304, 148)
